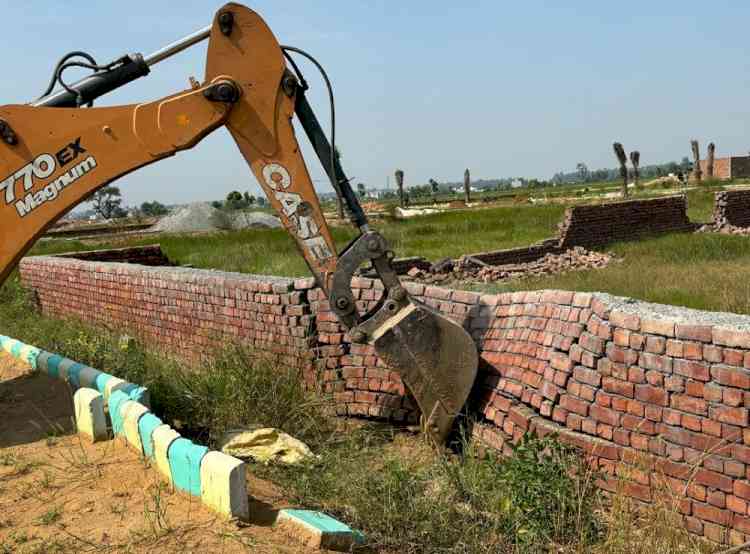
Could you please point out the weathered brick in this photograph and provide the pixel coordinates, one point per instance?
(731, 376)
(652, 395)
(702, 333)
(689, 404)
(692, 369)
(657, 326)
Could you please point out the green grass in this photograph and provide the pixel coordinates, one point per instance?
(702, 271)
(405, 496)
(273, 252)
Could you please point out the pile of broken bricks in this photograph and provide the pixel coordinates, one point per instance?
(217, 479)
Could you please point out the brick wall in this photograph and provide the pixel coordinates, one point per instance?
(740, 166)
(732, 207)
(150, 255)
(189, 312)
(599, 224)
(722, 168)
(657, 396)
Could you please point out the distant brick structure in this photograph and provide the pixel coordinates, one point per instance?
(597, 225)
(150, 255)
(733, 167)
(732, 207)
(656, 396)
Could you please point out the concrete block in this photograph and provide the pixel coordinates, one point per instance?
(63, 367)
(318, 530)
(100, 383)
(146, 426)
(163, 437)
(42, 361)
(111, 385)
(115, 402)
(15, 348)
(223, 485)
(74, 374)
(29, 354)
(131, 414)
(89, 412)
(87, 377)
(185, 464)
(53, 367)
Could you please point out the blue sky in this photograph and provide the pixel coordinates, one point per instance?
(432, 87)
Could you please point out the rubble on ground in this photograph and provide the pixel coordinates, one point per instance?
(724, 229)
(472, 269)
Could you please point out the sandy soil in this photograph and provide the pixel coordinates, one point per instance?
(59, 493)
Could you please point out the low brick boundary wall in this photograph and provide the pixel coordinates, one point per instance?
(599, 224)
(150, 255)
(656, 395)
(732, 207)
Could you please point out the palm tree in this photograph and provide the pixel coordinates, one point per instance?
(697, 173)
(623, 159)
(467, 186)
(710, 161)
(635, 159)
(400, 184)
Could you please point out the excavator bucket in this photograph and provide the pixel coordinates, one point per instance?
(437, 360)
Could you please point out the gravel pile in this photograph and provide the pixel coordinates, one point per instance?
(471, 270)
(202, 217)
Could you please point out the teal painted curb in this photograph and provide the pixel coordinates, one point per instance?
(146, 426)
(224, 493)
(185, 464)
(116, 400)
(49, 363)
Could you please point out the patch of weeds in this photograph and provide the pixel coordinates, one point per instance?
(50, 516)
(155, 511)
(431, 502)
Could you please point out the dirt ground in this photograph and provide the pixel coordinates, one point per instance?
(59, 493)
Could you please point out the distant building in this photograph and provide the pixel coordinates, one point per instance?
(729, 168)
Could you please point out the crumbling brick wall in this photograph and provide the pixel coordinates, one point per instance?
(722, 168)
(595, 225)
(656, 396)
(150, 255)
(732, 207)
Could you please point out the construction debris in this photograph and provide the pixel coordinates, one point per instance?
(724, 229)
(470, 269)
(265, 444)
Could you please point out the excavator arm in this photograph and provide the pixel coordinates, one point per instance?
(54, 155)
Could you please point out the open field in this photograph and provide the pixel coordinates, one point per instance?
(704, 271)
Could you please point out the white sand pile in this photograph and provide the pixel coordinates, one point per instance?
(202, 216)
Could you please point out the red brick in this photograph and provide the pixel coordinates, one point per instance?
(692, 369)
(656, 345)
(624, 319)
(736, 504)
(575, 405)
(604, 415)
(741, 489)
(711, 513)
(702, 333)
(731, 337)
(616, 386)
(652, 395)
(658, 326)
(689, 404)
(732, 416)
(731, 376)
